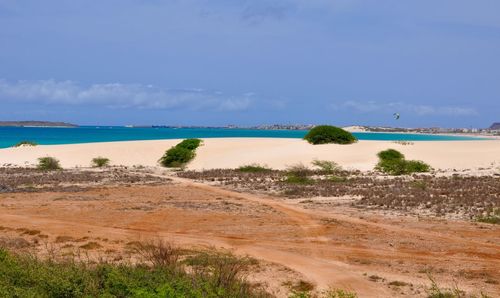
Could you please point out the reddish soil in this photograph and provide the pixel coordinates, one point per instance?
(360, 250)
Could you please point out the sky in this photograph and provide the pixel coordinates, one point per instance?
(249, 62)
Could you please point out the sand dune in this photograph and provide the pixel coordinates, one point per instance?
(276, 153)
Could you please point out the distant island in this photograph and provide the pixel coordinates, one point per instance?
(35, 124)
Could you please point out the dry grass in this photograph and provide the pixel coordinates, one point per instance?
(91, 245)
(34, 180)
(461, 196)
(158, 253)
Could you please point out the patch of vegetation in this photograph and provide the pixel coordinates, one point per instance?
(337, 179)
(253, 168)
(467, 197)
(26, 143)
(23, 275)
(33, 180)
(182, 153)
(339, 293)
(437, 292)
(190, 144)
(159, 253)
(62, 239)
(302, 286)
(416, 166)
(91, 245)
(99, 162)
(393, 162)
(326, 134)
(177, 157)
(419, 184)
(491, 218)
(398, 283)
(390, 154)
(331, 293)
(48, 164)
(375, 278)
(298, 174)
(30, 232)
(326, 166)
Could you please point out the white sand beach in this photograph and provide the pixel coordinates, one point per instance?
(275, 153)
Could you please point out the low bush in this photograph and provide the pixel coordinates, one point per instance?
(437, 292)
(182, 153)
(390, 154)
(100, 162)
(253, 168)
(326, 166)
(27, 276)
(48, 164)
(339, 293)
(491, 218)
(416, 166)
(392, 162)
(223, 268)
(157, 253)
(176, 157)
(326, 134)
(26, 143)
(392, 166)
(299, 174)
(337, 179)
(190, 144)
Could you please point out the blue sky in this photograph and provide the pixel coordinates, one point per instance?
(217, 62)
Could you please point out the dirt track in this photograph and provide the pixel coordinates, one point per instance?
(340, 247)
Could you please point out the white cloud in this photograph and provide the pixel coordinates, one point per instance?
(421, 110)
(235, 104)
(117, 95)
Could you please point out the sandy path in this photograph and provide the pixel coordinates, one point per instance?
(276, 153)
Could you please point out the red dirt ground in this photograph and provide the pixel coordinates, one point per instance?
(342, 247)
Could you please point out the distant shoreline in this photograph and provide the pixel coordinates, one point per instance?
(36, 124)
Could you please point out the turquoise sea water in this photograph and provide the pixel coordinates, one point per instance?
(87, 134)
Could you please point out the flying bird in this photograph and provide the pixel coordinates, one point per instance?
(396, 116)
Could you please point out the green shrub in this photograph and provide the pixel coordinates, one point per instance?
(176, 157)
(390, 154)
(299, 174)
(180, 154)
(329, 167)
(337, 179)
(491, 217)
(416, 166)
(27, 276)
(100, 162)
(393, 162)
(392, 166)
(48, 164)
(190, 144)
(253, 168)
(26, 143)
(326, 134)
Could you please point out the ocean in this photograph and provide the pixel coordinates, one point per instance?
(10, 136)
